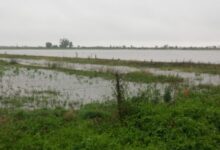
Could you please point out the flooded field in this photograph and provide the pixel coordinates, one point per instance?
(190, 77)
(57, 88)
(75, 66)
(51, 88)
(202, 56)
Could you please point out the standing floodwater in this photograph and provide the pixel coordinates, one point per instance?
(58, 87)
(202, 56)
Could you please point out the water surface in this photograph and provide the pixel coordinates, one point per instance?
(190, 77)
(197, 56)
(65, 88)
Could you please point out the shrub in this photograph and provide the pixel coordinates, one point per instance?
(69, 115)
(93, 114)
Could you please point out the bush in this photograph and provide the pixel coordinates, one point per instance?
(93, 114)
(70, 115)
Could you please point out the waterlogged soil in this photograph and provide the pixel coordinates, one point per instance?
(191, 78)
(57, 88)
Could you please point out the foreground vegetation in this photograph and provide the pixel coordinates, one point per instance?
(184, 66)
(191, 122)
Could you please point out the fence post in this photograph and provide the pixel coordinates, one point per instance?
(119, 95)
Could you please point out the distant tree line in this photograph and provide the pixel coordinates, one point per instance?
(64, 43)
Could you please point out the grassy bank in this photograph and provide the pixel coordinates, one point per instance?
(192, 122)
(184, 66)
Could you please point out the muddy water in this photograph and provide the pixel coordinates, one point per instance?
(191, 78)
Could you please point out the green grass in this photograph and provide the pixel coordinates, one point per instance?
(183, 66)
(49, 92)
(3, 67)
(191, 123)
(146, 77)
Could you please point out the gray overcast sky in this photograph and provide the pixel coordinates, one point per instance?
(105, 22)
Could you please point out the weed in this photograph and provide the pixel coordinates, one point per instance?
(167, 95)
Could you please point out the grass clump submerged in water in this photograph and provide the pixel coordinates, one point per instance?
(144, 77)
(3, 67)
(183, 66)
(191, 122)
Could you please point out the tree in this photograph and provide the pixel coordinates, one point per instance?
(54, 46)
(64, 43)
(49, 45)
(70, 44)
